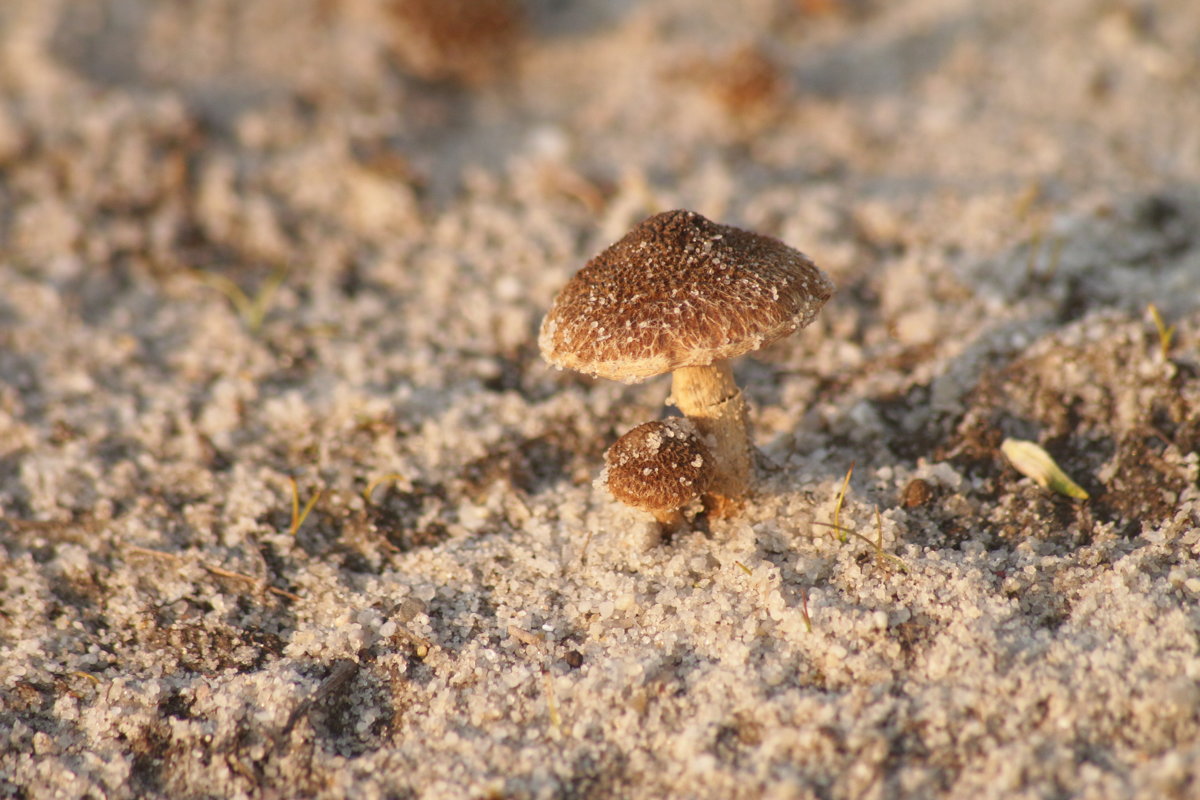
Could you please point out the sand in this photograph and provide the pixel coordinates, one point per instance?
(287, 256)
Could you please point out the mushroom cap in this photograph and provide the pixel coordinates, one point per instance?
(680, 291)
(658, 466)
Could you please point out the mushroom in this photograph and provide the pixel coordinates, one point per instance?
(682, 294)
(660, 467)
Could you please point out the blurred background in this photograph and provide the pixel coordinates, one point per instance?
(198, 126)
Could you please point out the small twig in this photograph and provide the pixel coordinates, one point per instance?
(527, 637)
(257, 583)
(343, 670)
(421, 645)
(587, 541)
(221, 572)
(743, 567)
(804, 610)
(146, 551)
(538, 642)
(295, 598)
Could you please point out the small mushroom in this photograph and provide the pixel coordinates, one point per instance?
(682, 294)
(660, 467)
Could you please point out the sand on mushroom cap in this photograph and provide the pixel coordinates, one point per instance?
(680, 293)
(660, 467)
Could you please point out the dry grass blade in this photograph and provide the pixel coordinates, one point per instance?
(583, 551)
(377, 482)
(295, 598)
(146, 551)
(882, 555)
(538, 642)
(552, 702)
(1035, 250)
(841, 498)
(526, 637)
(256, 583)
(221, 572)
(251, 310)
(339, 676)
(808, 626)
(298, 515)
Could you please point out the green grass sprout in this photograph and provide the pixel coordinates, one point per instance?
(837, 509)
(251, 310)
(1039, 244)
(1032, 461)
(843, 534)
(881, 555)
(1165, 334)
(1056, 250)
(1035, 250)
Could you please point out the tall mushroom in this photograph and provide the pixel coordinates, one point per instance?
(660, 467)
(682, 294)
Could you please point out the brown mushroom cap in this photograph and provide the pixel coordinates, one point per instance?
(658, 466)
(677, 291)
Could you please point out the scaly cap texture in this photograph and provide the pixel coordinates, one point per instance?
(680, 290)
(658, 466)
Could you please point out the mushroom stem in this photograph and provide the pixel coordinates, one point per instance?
(669, 521)
(712, 400)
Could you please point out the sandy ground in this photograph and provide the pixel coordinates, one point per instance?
(257, 254)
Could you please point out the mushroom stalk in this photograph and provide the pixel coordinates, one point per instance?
(669, 521)
(710, 397)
